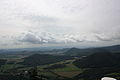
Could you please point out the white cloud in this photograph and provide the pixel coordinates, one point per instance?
(61, 21)
(50, 38)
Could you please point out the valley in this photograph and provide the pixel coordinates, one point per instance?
(70, 64)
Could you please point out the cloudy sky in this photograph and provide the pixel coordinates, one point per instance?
(35, 23)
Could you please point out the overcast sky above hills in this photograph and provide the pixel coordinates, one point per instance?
(33, 23)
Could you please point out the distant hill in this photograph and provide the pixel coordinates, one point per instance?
(73, 51)
(82, 52)
(88, 51)
(115, 48)
(42, 59)
(99, 59)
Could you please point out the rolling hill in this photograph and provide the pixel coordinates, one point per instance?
(42, 59)
(99, 59)
(88, 51)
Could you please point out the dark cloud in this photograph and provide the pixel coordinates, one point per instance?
(110, 37)
(37, 38)
(103, 39)
(32, 39)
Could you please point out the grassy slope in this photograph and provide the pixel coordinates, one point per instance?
(69, 71)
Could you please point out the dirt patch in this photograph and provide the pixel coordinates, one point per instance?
(68, 74)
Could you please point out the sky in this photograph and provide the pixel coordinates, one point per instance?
(38, 23)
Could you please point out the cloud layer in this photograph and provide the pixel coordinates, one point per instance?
(44, 37)
(24, 23)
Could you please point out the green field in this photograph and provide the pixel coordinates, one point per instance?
(68, 70)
